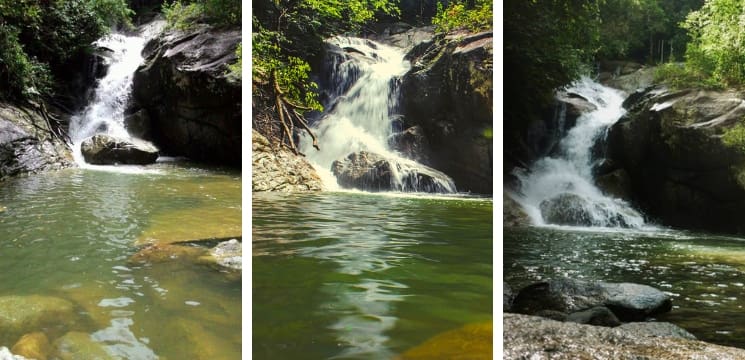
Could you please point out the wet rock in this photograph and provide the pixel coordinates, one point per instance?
(657, 329)
(472, 341)
(27, 144)
(191, 225)
(627, 301)
(412, 144)
(20, 315)
(139, 125)
(598, 315)
(448, 92)
(616, 183)
(634, 302)
(507, 297)
(514, 215)
(80, 346)
(530, 337)
(566, 209)
(372, 172)
(680, 169)
(157, 253)
(108, 150)
(194, 104)
(227, 254)
(33, 345)
(278, 169)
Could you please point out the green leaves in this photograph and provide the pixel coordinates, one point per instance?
(458, 16)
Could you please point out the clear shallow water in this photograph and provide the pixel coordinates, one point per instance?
(361, 276)
(705, 274)
(71, 234)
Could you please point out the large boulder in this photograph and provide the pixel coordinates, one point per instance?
(104, 149)
(627, 301)
(373, 172)
(28, 144)
(530, 337)
(192, 101)
(680, 170)
(566, 209)
(278, 169)
(514, 214)
(448, 92)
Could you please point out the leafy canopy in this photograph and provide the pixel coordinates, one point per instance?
(458, 15)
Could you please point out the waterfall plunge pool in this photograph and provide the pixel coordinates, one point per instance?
(703, 273)
(71, 235)
(358, 276)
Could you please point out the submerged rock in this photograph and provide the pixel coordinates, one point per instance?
(372, 172)
(472, 341)
(21, 315)
(80, 346)
(530, 337)
(627, 301)
(278, 169)
(203, 223)
(108, 150)
(33, 345)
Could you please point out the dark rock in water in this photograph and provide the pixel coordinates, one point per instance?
(372, 172)
(635, 302)
(27, 143)
(448, 92)
(627, 301)
(514, 214)
(530, 337)
(657, 329)
(564, 295)
(680, 168)
(616, 183)
(598, 316)
(507, 297)
(108, 150)
(566, 209)
(139, 125)
(412, 144)
(552, 314)
(193, 101)
(278, 169)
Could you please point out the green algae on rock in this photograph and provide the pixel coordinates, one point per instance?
(24, 314)
(193, 224)
(472, 341)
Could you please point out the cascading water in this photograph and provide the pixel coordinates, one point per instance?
(569, 176)
(105, 113)
(363, 100)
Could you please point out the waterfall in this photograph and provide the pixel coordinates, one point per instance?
(568, 175)
(363, 79)
(105, 113)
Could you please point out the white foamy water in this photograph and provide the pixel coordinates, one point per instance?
(359, 119)
(571, 171)
(105, 113)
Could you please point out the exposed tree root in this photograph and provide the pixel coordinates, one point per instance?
(289, 117)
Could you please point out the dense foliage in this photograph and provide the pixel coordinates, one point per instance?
(184, 15)
(38, 38)
(459, 14)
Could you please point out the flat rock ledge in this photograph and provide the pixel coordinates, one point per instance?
(532, 337)
(278, 169)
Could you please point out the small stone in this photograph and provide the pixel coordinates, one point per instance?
(33, 345)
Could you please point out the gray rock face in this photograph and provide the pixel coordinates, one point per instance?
(280, 169)
(679, 168)
(598, 316)
(530, 337)
(27, 144)
(107, 150)
(627, 301)
(228, 254)
(657, 329)
(566, 209)
(193, 104)
(507, 297)
(372, 172)
(448, 92)
(412, 144)
(514, 214)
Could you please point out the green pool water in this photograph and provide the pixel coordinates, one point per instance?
(71, 234)
(366, 276)
(704, 273)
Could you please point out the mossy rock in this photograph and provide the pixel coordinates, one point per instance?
(33, 346)
(24, 314)
(472, 341)
(80, 346)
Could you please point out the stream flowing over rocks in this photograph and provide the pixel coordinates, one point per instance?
(192, 105)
